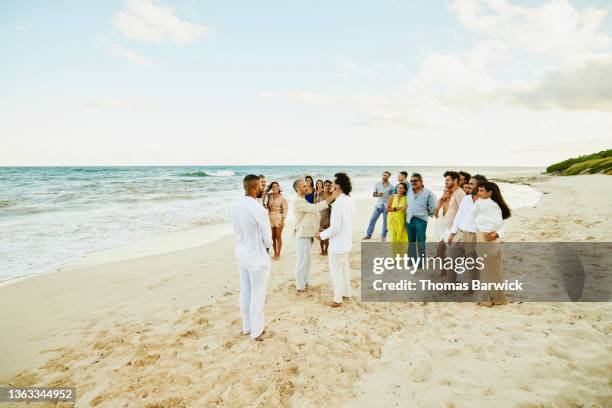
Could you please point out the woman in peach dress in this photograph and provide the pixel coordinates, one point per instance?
(277, 211)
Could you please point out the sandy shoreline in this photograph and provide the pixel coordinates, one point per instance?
(161, 329)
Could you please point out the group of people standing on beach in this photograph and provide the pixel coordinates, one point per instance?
(469, 221)
(258, 219)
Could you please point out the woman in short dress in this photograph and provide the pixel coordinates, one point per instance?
(324, 214)
(490, 211)
(311, 190)
(277, 211)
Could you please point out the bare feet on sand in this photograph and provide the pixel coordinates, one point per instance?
(334, 304)
(485, 304)
(264, 335)
(345, 297)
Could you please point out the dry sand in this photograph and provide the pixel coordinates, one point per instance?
(164, 331)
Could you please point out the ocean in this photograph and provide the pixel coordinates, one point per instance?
(52, 215)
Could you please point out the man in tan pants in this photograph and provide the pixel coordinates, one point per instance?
(462, 239)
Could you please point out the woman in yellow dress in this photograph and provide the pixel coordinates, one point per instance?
(396, 219)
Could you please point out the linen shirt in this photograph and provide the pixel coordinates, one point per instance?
(252, 229)
(307, 217)
(340, 231)
(488, 215)
(387, 191)
(453, 206)
(465, 219)
(421, 205)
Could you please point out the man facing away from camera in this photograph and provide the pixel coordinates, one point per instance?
(253, 239)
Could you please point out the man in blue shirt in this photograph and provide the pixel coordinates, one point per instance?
(421, 205)
(382, 190)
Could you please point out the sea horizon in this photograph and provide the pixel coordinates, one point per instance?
(62, 213)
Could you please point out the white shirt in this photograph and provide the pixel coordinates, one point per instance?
(252, 228)
(488, 215)
(465, 219)
(340, 231)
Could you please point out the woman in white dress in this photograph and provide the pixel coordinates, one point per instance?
(440, 227)
(490, 211)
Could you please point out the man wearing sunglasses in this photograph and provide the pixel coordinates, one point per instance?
(382, 190)
(421, 205)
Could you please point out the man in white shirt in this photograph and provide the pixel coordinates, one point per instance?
(462, 238)
(253, 239)
(264, 197)
(305, 228)
(340, 235)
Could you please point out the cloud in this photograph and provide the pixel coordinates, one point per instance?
(146, 21)
(588, 87)
(127, 54)
(554, 28)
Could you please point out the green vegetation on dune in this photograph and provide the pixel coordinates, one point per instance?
(590, 164)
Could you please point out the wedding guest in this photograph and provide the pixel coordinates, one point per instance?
(451, 182)
(421, 205)
(311, 191)
(340, 237)
(325, 215)
(402, 177)
(441, 228)
(462, 238)
(382, 190)
(318, 191)
(464, 178)
(277, 211)
(253, 239)
(490, 211)
(305, 228)
(396, 219)
(264, 199)
(466, 189)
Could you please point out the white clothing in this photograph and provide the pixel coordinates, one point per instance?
(253, 237)
(340, 231)
(252, 229)
(441, 229)
(465, 220)
(253, 288)
(340, 275)
(488, 215)
(302, 262)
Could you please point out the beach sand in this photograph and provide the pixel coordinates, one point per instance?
(164, 330)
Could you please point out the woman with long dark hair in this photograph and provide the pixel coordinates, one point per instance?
(396, 219)
(277, 211)
(490, 211)
(311, 190)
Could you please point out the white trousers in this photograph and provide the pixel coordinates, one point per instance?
(340, 276)
(253, 288)
(303, 247)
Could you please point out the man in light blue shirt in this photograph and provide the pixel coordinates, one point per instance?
(421, 205)
(383, 189)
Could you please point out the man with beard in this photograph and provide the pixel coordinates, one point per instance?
(253, 239)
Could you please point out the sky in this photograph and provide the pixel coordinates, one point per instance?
(228, 82)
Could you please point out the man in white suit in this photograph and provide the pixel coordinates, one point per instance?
(253, 239)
